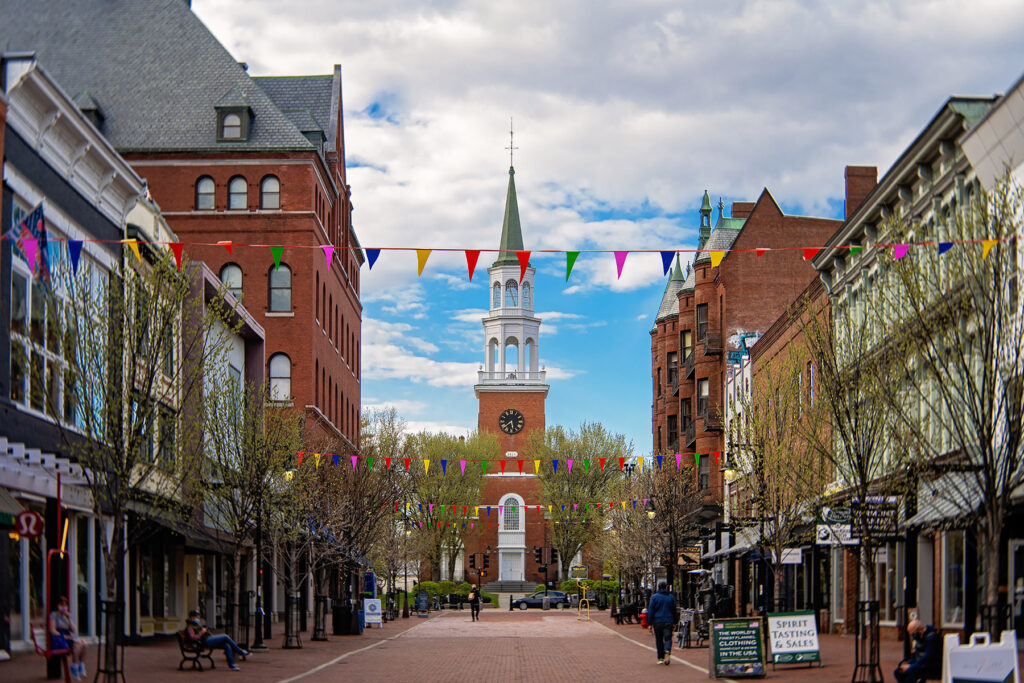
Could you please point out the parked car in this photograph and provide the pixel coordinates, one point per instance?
(557, 600)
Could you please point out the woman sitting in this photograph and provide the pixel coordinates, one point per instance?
(195, 632)
(64, 636)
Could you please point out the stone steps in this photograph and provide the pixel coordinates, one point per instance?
(510, 587)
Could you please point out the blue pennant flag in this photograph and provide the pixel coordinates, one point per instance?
(666, 261)
(371, 256)
(944, 247)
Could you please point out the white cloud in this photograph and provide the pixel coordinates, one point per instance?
(404, 407)
(435, 427)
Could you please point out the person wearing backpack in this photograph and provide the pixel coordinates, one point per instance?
(661, 617)
(474, 602)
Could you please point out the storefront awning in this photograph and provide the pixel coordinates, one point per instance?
(744, 540)
(945, 501)
(9, 509)
(192, 537)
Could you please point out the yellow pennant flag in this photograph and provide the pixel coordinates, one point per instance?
(716, 258)
(316, 460)
(986, 246)
(134, 244)
(421, 259)
(536, 466)
(623, 504)
(639, 463)
(549, 509)
(407, 508)
(426, 466)
(477, 508)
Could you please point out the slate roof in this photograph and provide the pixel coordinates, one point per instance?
(309, 93)
(152, 66)
(669, 301)
(722, 237)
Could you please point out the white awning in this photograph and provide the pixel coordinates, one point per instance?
(952, 497)
(743, 540)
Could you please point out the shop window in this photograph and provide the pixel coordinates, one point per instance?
(953, 578)
(838, 585)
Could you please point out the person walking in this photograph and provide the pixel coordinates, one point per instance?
(474, 602)
(661, 617)
(195, 631)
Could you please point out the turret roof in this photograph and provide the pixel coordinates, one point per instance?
(511, 231)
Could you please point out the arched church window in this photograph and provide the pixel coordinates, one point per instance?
(511, 294)
(511, 514)
(526, 295)
(497, 296)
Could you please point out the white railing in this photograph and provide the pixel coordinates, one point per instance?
(511, 539)
(511, 377)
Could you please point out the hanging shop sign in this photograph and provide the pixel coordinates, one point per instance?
(737, 648)
(835, 534)
(877, 516)
(28, 524)
(688, 558)
(793, 637)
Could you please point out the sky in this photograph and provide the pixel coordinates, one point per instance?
(624, 113)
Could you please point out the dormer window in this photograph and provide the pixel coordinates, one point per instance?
(231, 127)
(233, 117)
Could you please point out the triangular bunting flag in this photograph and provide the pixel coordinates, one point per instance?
(569, 464)
(899, 251)
(371, 257)
(355, 459)
(426, 466)
(810, 252)
(336, 459)
(387, 464)
(483, 467)
(277, 251)
(600, 461)
(666, 261)
(227, 244)
(622, 464)
(944, 247)
(986, 246)
(301, 454)
(406, 461)
(316, 460)
(586, 464)
(696, 458)
(421, 260)
(328, 252)
(520, 463)
(717, 453)
(639, 464)
(133, 244)
(620, 260)
(462, 466)
(444, 470)
(761, 251)
(659, 462)
(524, 262)
(679, 460)
(855, 250)
(536, 466)
(75, 251)
(471, 256)
(570, 260)
(431, 506)
(716, 258)
(177, 248)
(502, 463)
(554, 465)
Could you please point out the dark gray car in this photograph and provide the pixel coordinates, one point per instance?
(557, 600)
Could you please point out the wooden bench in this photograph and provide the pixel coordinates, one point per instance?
(191, 651)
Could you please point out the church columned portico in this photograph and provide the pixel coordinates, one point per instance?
(511, 538)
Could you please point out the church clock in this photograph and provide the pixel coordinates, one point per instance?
(511, 421)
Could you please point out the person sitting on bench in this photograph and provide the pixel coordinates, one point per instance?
(196, 632)
(63, 636)
(926, 658)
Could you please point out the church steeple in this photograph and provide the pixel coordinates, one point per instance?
(705, 221)
(511, 231)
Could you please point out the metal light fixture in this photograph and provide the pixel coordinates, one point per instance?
(650, 508)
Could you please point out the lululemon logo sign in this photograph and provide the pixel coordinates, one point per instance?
(28, 523)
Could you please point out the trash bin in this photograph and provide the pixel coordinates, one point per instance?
(362, 621)
(341, 615)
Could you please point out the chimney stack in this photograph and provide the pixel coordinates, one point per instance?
(860, 181)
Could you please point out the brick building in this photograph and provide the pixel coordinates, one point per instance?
(707, 321)
(229, 158)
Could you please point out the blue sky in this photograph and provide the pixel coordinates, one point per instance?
(625, 111)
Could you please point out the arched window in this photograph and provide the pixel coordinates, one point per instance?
(270, 193)
(511, 294)
(205, 190)
(231, 276)
(238, 194)
(526, 295)
(231, 126)
(280, 370)
(281, 288)
(496, 303)
(510, 515)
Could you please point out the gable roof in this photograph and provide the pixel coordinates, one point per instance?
(152, 66)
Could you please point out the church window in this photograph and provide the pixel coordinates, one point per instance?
(496, 303)
(526, 295)
(511, 294)
(511, 514)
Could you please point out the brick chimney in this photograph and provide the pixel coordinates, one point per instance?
(860, 180)
(742, 209)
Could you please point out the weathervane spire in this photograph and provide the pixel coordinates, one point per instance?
(511, 142)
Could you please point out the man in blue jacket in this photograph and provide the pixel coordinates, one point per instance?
(926, 659)
(661, 616)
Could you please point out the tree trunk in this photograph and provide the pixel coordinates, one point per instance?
(234, 599)
(113, 629)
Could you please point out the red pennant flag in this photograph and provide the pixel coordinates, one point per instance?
(760, 251)
(471, 256)
(396, 506)
(524, 261)
(387, 464)
(503, 467)
(610, 503)
(301, 453)
(406, 464)
(520, 463)
(227, 244)
(600, 461)
(810, 253)
(622, 463)
(178, 248)
(453, 509)
(465, 509)
(716, 457)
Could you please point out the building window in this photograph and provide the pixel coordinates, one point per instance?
(231, 127)
(270, 193)
(281, 288)
(702, 322)
(280, 371)
(238, 194)
(658, 381)
(953, 578)
(511, 294)
(231, 276)
(673, 368)
(510, 517)
(705, 473)
(526, 295)
(673, 432)
(702, 398)
(166, 433)
(887, 582)
(205, 194)
(496, 300)
(686, 342)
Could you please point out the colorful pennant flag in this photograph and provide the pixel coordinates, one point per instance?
(471, 257)
(301, 455)
(554, 464)
(75, 252)
(133, 244)
(666, 261)
(520, 463)
(536, 466)
(316, 460)
(855, 250)
(387, 464)
(600, 461)
(659, 462)
(421, 260)
(620, 260)
(524, 262)
(679, 460)
(483, 467)
(369, 462)
(502, 464)
(444, 470)
(354, 459)
(277, 251)
(716, 258)
(570, 260)
(622, 464)
(407, 461)
(371, 257)
(760, 251)
(177, 248)
(227, 244)
(810, 253)
(569, 464)
(899, 251)
(336, 459)
(986, 246)
(426, 466)
(462, 466)
(328, 253)
(944, 247)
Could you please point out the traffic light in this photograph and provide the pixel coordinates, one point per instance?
(487, 560)
(554, 554)
(472, 561)
(537, 556)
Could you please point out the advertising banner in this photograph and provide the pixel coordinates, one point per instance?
(793, 637)
(371, 607)
(737, 648)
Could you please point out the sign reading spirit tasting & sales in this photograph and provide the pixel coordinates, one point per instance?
(737, 648)
(793, 637)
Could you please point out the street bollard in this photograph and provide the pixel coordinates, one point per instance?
(510, 598)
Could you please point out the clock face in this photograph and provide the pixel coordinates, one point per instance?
(511, 421)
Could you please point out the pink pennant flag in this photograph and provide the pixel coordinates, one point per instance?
(30, 246)
(569, 464)
(620, 260)
(899, 251)
(501, 510)
(328, 252)
(354, 462)
(431, 506)
(462, 464)
(679, 460)
(574, 506)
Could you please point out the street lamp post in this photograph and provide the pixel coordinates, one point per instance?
(405, 564)
(257, 642)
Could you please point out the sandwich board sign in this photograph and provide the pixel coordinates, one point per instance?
(371, 607)
(737, 648)
(793, 637)
(980, 660)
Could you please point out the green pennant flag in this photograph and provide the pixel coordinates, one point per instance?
(586, 508)
(570, 260)
(586, 465)
(483, 467)
(277, 251)
(369, 462)
(855, 250)
(696, 457)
